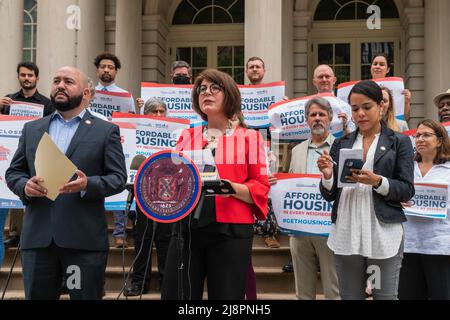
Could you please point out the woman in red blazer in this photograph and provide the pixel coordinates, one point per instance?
(218, 244)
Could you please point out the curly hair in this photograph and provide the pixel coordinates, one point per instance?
(107, 56)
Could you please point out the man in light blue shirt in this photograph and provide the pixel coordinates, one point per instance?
(62, 131)
(108, 65)
(67, 236)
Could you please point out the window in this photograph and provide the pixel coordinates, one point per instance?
(209, 12)
(29, 30)
(368, 50)
(353, 9)
(230, 59)
(351, 58)
(195, 56)
(337, 56)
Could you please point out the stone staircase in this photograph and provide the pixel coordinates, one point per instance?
(272, 283)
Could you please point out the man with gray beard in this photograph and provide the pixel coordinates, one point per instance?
(309, 252)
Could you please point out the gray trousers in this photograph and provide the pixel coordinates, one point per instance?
(308, 254)
(354, 271)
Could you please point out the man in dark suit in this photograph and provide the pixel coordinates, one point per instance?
(68, 235)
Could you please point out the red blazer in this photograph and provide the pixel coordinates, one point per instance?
(240, 158)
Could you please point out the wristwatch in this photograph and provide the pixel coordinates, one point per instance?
(379, 183)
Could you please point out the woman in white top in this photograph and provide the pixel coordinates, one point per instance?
(389, 113)
(425, 272)
(367, 234)
(380, 68)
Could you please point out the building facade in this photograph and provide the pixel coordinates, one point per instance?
(292, 36)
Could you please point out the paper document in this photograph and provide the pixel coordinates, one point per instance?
(52, 166)
(344, 155)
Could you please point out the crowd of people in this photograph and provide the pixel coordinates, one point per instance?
(369, 226)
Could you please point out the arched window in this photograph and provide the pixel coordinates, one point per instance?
(354, 9)
(29, 30)
(209, 12)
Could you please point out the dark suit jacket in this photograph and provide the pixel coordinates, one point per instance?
(394, 161)
(72, 221)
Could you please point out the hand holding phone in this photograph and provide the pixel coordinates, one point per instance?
(350, 164)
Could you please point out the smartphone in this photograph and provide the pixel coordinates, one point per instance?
(350, 164)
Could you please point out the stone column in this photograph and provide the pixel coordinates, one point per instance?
(287, 70)
(302, 23)
(11, 39)
(154, 54)
(437, 52)
(55, 41)
(62, 41)
(263, 35)
(91, 36)
(415, 59)
(129, 44)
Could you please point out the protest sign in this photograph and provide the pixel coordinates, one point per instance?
(299, 206)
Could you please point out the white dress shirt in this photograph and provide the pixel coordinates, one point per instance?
(114, 88)
(426, 235)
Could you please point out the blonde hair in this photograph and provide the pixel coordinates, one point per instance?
(389, 116)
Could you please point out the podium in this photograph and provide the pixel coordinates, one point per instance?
(170, 185)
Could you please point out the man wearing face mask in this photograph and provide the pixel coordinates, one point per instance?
(181, 74)
(69, 235)
(310, 251)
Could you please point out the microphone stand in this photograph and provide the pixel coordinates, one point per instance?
(180, 245)
(10, 271)
(128, 204)
(180, 248)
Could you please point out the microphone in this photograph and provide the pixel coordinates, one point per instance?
(137, 161)
(135, 164)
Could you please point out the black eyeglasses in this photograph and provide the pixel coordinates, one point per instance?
(214, 88)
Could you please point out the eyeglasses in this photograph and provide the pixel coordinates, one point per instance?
(425, 135)
(214, 88)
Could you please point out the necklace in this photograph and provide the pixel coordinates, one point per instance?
(212, 138)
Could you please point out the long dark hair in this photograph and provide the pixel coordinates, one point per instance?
(443, 151)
